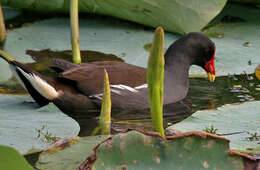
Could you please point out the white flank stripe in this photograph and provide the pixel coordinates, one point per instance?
(124, 87)
(141, 87)
(41, 85)
(115, 91)
(119, 89)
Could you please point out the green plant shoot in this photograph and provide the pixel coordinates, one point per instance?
(105, 115)
(6, 56)
(155, 79)
(2, 27)
(74, 26)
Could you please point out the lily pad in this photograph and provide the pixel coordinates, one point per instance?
(232, 55)
(192, 150)
(106, 36)
(69, 157)
(22, 120)
(238, 123)
(128, 41)
(12, 159)
(174, 15)
(10, 13)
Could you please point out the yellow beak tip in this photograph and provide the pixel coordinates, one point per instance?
(211, 77)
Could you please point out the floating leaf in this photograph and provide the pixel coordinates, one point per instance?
(21, 120)
(69, 157)
(10, 13)
(144, 150)
(12, 159)
(173, 15)
(231, 55)
(125, 41)
(235, 122)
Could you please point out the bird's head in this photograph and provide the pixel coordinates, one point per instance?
(202, 51)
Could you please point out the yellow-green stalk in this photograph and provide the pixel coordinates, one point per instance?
(257, 72)
(74, 26)
(105, 115)
(6, 56)
(155, 79)
(2, 27)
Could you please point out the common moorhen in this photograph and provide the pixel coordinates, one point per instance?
(78, 88)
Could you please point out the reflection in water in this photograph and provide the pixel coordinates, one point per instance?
(122, 120)
(225, 90)
(202, 95)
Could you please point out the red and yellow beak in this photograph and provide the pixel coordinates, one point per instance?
(210, 69)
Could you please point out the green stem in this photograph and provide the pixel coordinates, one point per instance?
(74, 26)
(155, 79)
(95, 131)
(2, 27)
(6, 56)
(105, 115)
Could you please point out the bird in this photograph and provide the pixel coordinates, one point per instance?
(78, 87)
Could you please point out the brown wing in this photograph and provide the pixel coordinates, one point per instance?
(60, 65)
(89, 76)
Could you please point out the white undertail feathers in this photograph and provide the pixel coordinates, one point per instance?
(40, 85)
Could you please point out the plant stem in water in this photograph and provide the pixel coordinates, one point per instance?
(74, 26)
(2, 27)
(155, 79)
(105, 115)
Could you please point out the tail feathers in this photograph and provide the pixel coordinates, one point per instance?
(40, 99)
(41, 91)
(40, 85)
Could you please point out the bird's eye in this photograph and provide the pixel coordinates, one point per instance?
(206, 52)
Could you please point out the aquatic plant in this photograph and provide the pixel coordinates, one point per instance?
(155, 79)
(74, 26)
(2, 27)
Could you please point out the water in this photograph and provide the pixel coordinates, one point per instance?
(202, 95)
(233, 89)
(225, 90)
